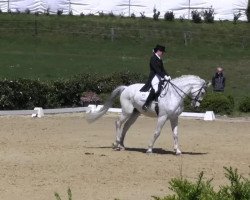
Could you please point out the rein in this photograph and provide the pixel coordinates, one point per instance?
(177, 89)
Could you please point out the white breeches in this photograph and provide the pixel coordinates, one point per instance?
(155, 82)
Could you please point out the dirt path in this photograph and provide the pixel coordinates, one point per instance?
(41, 156)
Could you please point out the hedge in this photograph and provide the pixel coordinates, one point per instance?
(27, 94)
(244, 105)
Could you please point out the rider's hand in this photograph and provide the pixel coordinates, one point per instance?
(167, 78)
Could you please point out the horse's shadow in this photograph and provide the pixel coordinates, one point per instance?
(159, 151)
(162, 151)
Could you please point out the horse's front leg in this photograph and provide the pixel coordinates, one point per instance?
(160, 123)
(174, 125)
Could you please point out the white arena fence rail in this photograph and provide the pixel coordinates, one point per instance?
(40, 112)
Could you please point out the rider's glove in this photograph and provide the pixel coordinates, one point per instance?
(167, 78)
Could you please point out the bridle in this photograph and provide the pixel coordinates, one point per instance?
(178, 90)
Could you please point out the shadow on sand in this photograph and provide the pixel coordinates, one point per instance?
(155, 151)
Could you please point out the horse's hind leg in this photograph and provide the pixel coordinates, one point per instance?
(131, 120)
(160, 123)
(121, 132)
(118, 125)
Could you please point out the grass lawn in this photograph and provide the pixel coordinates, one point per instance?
(52, 47)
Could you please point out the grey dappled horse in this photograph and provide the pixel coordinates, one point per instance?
(170, 102)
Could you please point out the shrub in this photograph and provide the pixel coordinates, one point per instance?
(27, 11)
(156, 14)
(239, 188)
(27, 94)
(59, 12)
(90, 98)
(111, 14)
(217, 102)
(69, 195)
(47, 11)
(248, 11)
(169, 16)
(101, 14)
(244, 105)
(209, 15)
(17, 11)
(133, 16)
(196, 16)
(142, 15)
(22, 94)
(236, 17)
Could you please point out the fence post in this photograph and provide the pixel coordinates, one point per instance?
(243, 42)
(187, 37)
(36, 26)
(112, 34)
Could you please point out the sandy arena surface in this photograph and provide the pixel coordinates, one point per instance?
(39, 157)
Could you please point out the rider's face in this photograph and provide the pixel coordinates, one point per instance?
(160, 53)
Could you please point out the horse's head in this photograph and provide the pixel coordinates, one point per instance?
(198, 92)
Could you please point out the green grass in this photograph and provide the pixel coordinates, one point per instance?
(52, 47)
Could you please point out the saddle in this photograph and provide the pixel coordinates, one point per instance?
(142, 96)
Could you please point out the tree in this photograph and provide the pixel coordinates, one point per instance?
(248, 11)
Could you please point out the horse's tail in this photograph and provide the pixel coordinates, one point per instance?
(93, 116)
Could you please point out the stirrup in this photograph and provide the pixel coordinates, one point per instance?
(145, 107)
(157, 108)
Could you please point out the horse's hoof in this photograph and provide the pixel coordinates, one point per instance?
(149, 151)
(177, 152)
(114, 145)
(122, 148)
(118, 147)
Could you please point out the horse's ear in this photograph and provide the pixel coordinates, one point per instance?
(208, 83)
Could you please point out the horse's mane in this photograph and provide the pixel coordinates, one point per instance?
(186, 77)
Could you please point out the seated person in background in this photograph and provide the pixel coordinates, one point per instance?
(218, 80)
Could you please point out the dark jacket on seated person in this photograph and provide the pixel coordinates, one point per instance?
(156, 68)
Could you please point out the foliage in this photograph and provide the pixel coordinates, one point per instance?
(27, 11)
(69, 195)
(156, 14)
(22, 94)
(90, 98)
(59, 12)
(169, 16)
(209, 15)
(142, 15)
(217, 102)
(239, 188)
(27, 94)
(196, 16)
(248, 11)
(65, 46)
(244, 105)
(133, 15)
(236, 17)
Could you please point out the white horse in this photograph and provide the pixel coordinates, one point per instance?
(170, 103)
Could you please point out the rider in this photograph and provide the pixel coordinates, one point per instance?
(156, 76)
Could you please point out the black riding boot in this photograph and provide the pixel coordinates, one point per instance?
(150, 98)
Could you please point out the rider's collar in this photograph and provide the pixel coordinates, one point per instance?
(158, 56)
